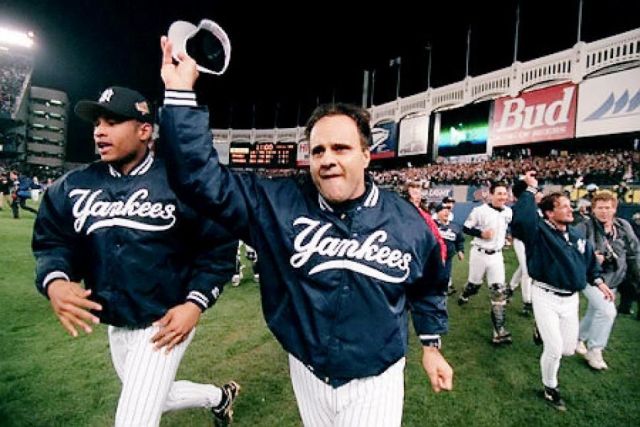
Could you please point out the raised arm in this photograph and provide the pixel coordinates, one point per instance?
(525, 211)
(193, 167)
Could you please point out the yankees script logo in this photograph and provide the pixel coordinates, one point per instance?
(127, 214)
(311, 240)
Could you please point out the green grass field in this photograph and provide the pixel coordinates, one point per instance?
(50, 379)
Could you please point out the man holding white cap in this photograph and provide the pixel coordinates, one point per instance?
(342, 260)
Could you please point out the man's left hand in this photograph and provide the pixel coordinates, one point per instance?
(606, 291)
(176, 325)
(180, 76)
(438, 370)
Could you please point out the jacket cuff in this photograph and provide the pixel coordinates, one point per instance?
(184, 98)
(54, 275)
(431, 341)
(201, 300)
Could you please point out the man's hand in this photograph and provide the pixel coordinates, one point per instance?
(176, 325)
(487, 234)
(180, 76)
(530, 179)
(71, 303)
(599, 257)
(461, 256)
(438, 370)
(606, 291)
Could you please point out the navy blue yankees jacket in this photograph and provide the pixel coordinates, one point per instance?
(452, 235)
(134, 243)
(336, 286)
(564, 260)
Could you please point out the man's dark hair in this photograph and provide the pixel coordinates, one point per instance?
(519, 188)
(358, 114)
(549, 202)
(497, 184)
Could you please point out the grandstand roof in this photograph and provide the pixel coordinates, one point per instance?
(297, 56)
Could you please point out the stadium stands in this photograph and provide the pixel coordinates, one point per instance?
(15, 74)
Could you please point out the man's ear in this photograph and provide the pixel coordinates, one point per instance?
(145, 131)
(367, 157)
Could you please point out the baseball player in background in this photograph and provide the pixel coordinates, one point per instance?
(150, 264)
(452, 235)
(488, 225)
(561, 263)
(341, 260)
(449, 201)
(252, 257)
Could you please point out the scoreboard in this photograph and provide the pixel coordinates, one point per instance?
(263, 154)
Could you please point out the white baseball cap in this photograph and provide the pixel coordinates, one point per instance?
(207, 44)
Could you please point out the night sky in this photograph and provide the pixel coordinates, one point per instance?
(293, 58)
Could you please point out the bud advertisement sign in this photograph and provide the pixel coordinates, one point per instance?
(609, 104)
(542, 115)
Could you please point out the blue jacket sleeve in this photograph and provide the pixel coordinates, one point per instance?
(428, 301)
(525, 218)
(459, 243)
(195, 173)
(213, 265)
(54, 243)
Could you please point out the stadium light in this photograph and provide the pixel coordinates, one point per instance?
(16, 38)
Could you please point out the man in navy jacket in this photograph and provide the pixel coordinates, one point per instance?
(341, 261)
(561, 263)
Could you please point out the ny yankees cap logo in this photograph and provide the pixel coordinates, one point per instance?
(106, 96)
(118, 102)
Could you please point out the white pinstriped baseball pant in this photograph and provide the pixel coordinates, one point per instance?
(366, 402)
(557, 320)
(481, 263)
(148, 378)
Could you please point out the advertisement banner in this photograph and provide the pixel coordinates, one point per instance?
(384, 140)
(542, 115)
(609, 104)
(302, 159)
(414, 135)
(436, 194)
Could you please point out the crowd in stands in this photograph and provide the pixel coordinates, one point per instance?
(607, 167)
(14, 70)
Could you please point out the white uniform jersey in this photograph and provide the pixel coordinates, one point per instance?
(486, 217)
